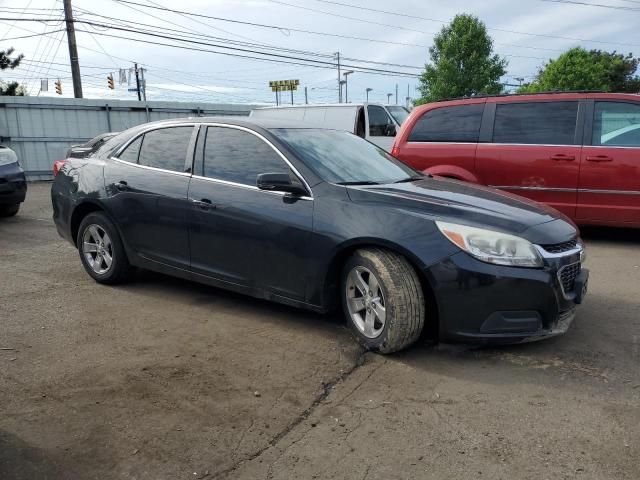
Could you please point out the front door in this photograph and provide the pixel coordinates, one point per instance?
(240, 234)
(609, 190)
(381, 128)
(147, 187)
(535, 152)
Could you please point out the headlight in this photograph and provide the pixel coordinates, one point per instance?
(492, 247)
(7, 156)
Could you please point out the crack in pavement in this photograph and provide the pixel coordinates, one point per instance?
(326, 391)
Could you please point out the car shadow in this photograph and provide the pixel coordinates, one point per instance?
(629, 236)
(20, 461)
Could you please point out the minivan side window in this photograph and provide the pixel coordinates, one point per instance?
(379, 122)
(616, 124)
(130, 154)
(166, 148)
(536, 123)
(237, 156)
(459, 123)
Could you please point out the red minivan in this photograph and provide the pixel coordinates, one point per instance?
(578, 152)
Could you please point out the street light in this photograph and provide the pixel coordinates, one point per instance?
(346, 74)
(389, 95)
(368, 90)
(342, 82)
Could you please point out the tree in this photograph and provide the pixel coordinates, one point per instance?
(580, 69)
(7, 62)
(462, 62)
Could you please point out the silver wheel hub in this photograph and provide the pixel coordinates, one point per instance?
(97, 249)
(365, 302)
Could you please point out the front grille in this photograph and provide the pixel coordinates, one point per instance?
(561, 247)
(567, 276)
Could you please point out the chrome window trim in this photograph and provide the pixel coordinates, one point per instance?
(622, 147)
(275, 149)
(146, 167)
(250, 187)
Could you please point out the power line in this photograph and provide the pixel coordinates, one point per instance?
(600, 5)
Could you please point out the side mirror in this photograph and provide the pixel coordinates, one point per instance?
(279, 182)
(389, 130)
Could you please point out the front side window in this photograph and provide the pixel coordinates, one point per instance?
(536, 123)
(459, 123)
(130, 154)
(341, 157)
(166, 148)
(237, 156)
(380, 124)
(616, 124)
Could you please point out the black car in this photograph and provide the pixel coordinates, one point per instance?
(13, 183)
(90, 147)
(318, 218)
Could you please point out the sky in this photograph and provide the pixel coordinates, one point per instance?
(397, 36)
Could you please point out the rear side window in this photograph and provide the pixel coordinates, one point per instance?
(536, 123)
(449, 124)
(165, 148)
(616, 124)
(237, 156)
(130, 154)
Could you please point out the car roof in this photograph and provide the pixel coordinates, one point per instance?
(321, 105)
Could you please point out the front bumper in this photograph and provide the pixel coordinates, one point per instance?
(13, 184)
(491, 304)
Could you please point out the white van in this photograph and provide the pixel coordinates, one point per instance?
(374, 122)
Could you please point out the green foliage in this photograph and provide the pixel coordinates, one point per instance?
(580, 69)
(7, 62)
(462, 62)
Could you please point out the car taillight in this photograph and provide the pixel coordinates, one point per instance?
(57, 165)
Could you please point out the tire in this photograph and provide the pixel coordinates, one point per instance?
(94, 227)
(9, 210)
(398, 300)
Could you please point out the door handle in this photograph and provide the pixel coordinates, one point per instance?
(561, 157)
(203, 204)
(599, 158)
(122, 185)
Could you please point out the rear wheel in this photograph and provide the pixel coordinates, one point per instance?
(382, 299)
(101, 250)
(9, 210)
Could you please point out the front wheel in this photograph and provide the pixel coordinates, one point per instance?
(9, 210)
(101, 250)
(383, 300)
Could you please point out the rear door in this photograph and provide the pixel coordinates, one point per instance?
(534, 151)
(147, 186)
(609, 190)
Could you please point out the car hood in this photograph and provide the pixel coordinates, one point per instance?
(459, 202)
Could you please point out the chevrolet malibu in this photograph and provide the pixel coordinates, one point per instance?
(320, 219)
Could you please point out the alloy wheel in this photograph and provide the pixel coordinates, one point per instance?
(365, 302)
(97, 249)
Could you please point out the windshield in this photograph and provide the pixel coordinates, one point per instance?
(341, 157)
(399, 114)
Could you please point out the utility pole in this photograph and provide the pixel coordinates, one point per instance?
(396, 94)
(291, 95)
(339, 79)
(73, 49)
(138, 82)
(306, 99)
(144, 85)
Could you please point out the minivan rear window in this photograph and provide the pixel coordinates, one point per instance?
(536, 123)
(459, 123)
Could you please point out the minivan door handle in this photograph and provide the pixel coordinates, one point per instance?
(599, 158)
(561, 157)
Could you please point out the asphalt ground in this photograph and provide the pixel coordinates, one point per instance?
(167, 379)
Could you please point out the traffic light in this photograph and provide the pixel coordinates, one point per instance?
(59, 87)
(110, 81)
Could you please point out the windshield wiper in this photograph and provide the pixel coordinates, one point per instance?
(411, 179)
(361, 182)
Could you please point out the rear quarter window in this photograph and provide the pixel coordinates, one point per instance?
(459, 123)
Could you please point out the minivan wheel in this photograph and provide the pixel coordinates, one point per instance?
(382, 299)
(9, 210)
(101, 250)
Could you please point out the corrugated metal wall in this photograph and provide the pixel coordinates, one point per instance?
(40, 130)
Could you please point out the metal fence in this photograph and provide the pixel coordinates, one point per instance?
(40, 130)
